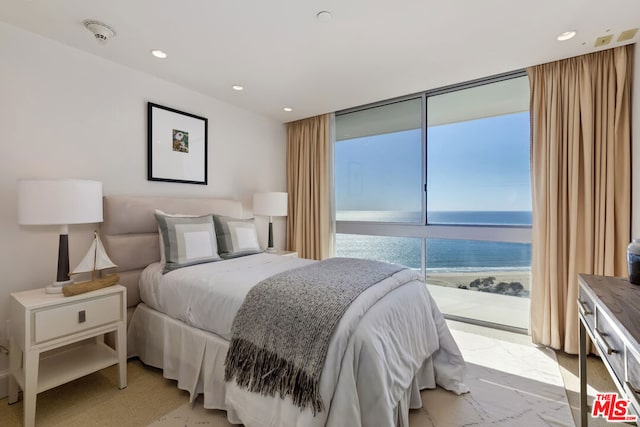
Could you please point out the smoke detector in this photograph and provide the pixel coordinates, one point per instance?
(101, 31)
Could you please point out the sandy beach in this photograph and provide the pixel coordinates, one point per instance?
(456, 279)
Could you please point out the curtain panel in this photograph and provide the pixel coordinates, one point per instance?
(581, 183)
(308, 222)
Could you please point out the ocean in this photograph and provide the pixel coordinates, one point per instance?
(442, 255)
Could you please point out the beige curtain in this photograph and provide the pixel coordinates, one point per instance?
(308, 187)
(581, 184)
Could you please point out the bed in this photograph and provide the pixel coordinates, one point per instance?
(383, 351)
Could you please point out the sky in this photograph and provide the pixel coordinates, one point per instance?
(476, 165)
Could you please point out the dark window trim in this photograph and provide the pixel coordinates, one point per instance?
(437, 91)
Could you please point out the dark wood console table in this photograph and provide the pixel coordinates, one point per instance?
(609, 312)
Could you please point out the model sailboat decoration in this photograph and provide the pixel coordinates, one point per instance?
(95, 260)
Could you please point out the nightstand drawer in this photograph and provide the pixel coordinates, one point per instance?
(66, 319)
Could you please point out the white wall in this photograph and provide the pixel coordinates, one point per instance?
(68, 114)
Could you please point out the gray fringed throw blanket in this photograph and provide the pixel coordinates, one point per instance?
(282, 330)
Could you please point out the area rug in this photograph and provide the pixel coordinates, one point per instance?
(95, 400)
(512, 384)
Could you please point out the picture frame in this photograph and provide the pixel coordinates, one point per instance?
(176, 146)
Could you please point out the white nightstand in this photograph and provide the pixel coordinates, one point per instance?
(50, 340)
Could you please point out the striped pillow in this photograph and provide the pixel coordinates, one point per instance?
(236, 237)
(187, 240)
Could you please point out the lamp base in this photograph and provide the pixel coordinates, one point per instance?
(52, 289)
(56, 287)
(271, 250)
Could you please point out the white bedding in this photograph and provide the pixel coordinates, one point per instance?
(208, 296)
(377, 362)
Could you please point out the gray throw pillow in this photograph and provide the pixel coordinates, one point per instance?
(236, 237)
(187, 240)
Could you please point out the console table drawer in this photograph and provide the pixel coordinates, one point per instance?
(633, 380)
(610, 343)
(615, 331)
(586, 307)
(67, 319)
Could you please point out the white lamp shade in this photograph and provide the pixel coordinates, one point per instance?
(63, 201)
(270, 204)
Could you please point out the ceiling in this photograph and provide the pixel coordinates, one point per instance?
(369, 51)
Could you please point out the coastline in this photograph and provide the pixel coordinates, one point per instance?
(457, 279)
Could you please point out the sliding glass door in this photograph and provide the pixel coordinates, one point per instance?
(440, 183)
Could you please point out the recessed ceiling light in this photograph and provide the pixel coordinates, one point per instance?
(287, 109)
(324, 16)
(159, 53)
(566, 35)
(237, 87)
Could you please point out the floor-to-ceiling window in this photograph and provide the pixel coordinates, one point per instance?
(440, 182)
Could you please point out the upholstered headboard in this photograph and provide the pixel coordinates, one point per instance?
(130, 232)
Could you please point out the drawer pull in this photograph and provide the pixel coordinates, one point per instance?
(584, 310)
(82, 317)
(600, 336)
(632, 393)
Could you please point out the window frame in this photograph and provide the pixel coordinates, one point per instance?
(425, 230)
(423, 153)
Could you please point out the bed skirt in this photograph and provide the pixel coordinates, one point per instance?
(195, 359)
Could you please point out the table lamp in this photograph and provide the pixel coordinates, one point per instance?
(59, 202)
(270, 204)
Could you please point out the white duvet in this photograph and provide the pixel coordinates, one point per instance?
(208, 296)
(378, 359)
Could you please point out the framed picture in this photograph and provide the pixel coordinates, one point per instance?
(176, 146)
